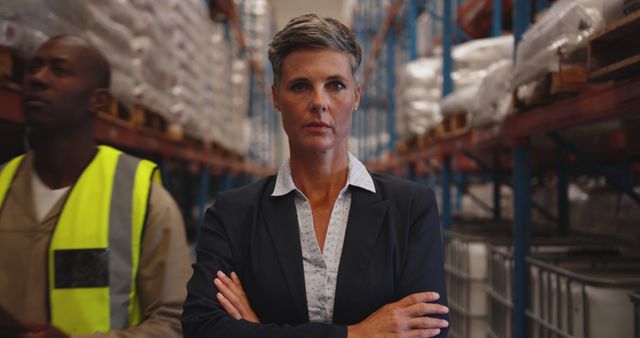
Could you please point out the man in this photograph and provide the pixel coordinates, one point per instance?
(90, 245)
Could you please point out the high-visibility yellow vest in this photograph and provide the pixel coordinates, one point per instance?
(95, 247)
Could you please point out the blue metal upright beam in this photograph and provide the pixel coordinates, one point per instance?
(379, 95)
(522, 18)
(522, 239)
(413, 176)
(496, 28)
(412, 21)
(391, 83)
(541, 5)
(447, 39)
(458, 177)
(226, 182)
(432, 180)
(563, 193)
(522, 199)
(446, 193)
(497, 187)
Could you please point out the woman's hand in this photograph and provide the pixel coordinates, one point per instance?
(232, 297)
(404, 318)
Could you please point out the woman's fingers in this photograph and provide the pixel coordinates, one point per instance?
(427, 323)
(229, 294)
(236, 281)
(420, 297)
(423, 309)
(235, 287)
(423, 333)
(227, 306)
(232, 291)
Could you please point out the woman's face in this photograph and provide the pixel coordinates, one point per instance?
(317, 95)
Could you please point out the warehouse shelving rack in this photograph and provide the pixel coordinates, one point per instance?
(184, 163)
(506, 149)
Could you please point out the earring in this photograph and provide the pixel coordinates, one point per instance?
(355, 109)
(276, 108)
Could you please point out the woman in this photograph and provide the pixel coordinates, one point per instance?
(323, 249)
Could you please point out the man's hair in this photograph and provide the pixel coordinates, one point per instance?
(311, 31)
(99, 63)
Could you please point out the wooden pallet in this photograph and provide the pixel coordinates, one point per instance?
(570, 80)
(142, 117)
(405, 145)
(428, 138)
(615, 51)
(453, 125)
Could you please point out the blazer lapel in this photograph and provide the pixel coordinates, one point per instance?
(282, 224)
(366, 215)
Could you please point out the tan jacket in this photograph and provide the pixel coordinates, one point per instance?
(164, 262)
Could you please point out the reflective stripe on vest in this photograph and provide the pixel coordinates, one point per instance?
(105, 213)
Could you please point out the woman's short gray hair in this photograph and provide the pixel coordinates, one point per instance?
(311, 31)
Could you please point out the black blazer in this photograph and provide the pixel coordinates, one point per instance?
(392, 248)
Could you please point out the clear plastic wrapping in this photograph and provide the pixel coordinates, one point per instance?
(563, 29)
(461, 100)
(493, 98)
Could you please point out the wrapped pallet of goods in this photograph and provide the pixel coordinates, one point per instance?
(255, 18)
(473, 100)
(109, 30)
(494, 99)
(154, 62)
(168, 60)
(418, 98)
(551, 58)
(236, 130)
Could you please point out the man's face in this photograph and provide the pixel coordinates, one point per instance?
(58, 86)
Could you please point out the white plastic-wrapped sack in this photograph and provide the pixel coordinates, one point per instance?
(471, 59)
(563, 29)
(481, 53)
(43, 16)
(461, 100)
(418, 95)
(493, 98)
(18, 36)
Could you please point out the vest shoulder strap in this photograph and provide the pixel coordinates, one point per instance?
(7, 174)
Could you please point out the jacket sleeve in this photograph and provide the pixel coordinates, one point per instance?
(423, 265)
(204, 317)
(163, 272)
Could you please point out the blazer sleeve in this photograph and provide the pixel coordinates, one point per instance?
(203, 316)
(423, 266)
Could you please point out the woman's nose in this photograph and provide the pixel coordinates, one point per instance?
(318, 102)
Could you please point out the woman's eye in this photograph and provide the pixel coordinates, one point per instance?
(335, 85)
(298, 87)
